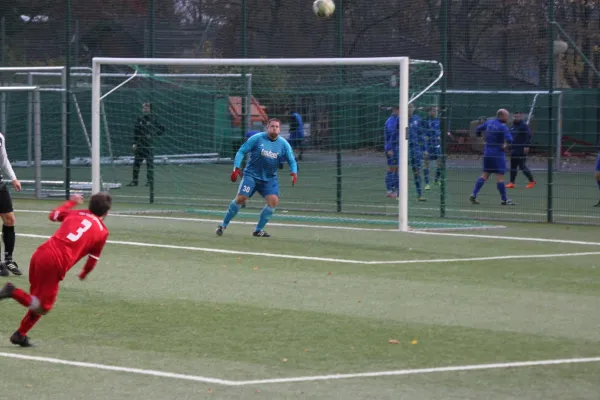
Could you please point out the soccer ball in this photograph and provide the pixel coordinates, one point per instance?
(323, 8)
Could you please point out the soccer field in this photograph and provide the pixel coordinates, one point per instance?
(173, 311)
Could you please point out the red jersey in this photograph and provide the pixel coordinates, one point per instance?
(81, 234)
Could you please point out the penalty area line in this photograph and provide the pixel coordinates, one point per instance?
(335, 260)
(300, 379)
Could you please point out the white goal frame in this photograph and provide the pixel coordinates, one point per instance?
(402, 63)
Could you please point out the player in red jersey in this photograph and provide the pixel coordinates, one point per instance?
(81, 233)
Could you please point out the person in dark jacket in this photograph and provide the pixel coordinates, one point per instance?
(146, 128)
(519, 149)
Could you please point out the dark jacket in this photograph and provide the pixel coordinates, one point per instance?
(146, 128)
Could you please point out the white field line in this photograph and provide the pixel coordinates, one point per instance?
(520, 239)
(335, 260)
(300, 379)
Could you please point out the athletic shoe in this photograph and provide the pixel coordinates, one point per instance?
(220, 230)
(20, 340)
(508, 202)
(510, 186)
(7, 291)
(427, 187)
(530, 185)
(260, 234)
(473, 199)
(12, 267)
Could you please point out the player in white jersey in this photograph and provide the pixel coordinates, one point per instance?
(7, 213)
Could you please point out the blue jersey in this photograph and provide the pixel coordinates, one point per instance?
(496, 134)
(416, 134)
(391, 133)
(432, 134)
(296, 126)
(265, 156)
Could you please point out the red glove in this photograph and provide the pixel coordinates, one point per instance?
(234, 175)
(294, 178)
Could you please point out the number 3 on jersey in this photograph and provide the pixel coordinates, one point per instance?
(85, 226)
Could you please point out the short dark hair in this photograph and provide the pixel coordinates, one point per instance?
(273, 120)
(100, 203)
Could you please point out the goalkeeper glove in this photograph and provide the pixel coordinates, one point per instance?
(234, 175)
(294, 178)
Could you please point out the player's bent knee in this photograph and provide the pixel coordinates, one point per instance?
(272, 201)
(8, 219)
(239, 199)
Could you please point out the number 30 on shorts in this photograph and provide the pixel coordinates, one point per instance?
(245, 188)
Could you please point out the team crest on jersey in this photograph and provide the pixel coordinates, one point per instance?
(268, 154)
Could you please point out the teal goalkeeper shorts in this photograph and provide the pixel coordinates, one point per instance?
(250, 185)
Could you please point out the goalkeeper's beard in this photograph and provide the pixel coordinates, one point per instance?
(272, 136)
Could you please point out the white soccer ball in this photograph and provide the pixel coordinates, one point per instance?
(323, 8)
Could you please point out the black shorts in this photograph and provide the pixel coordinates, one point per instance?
(6, 205)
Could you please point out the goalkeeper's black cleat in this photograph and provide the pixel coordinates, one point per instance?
(3, 271)
(260, 234)
(7, 291)
(473, 199)
(220, 230)
(508, 202)
(12, 267)
(20, 340)
(132, 183)
(597, 204)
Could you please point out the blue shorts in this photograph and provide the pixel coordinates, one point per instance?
(249, 185)
(392, 161)
(598, 163)
(494, 164)
(416, 159)
(296, 143)
(434, 153)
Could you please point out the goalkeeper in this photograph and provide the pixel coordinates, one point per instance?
(267, 150)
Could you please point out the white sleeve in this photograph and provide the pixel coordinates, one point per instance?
(4, 163)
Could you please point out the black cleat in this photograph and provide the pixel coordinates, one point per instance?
(220, 230)
(260, 234)
(473, 199)
(508, 202)
(3, 271)
(597, 204)
(132, 183)
(12, 267)
(20, 340)
(7, 291)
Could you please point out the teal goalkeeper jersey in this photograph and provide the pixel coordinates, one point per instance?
(265, 156)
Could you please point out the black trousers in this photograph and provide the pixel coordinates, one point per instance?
(519, 162)
(139, 156)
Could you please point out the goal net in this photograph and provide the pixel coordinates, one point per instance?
(203, 110)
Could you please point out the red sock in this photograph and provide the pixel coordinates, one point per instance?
(22, 297)
(28, 322)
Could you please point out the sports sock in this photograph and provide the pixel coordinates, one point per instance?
(28, 322)
(438, 174)
(417, 179)
(8, 237)
(389, 181)
(478, 185)
(426, 175)
(265, 216)
(396, 181)
(232, 211)
(502, 190)
(21, 297)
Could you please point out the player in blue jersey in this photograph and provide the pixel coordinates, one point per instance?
(267, 150)
(497, 136)
(416, 145)
(296, 133)
(392, 136)
(598, 169)
(433, 150)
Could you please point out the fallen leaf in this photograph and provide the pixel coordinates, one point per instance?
(255, 268)
(306, 350)
(28, 386)
(284, 360)
(414, 341)
(393, 341)
(257, 390)
(329, 274)
(209, 390)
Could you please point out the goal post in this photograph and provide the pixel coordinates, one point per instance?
(400, 64)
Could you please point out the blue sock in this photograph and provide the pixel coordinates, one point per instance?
(232, 211)
(417, 179)
(426, 173)
(478, 185)
(265, 216)
(502, 190)
(598, 182)
(438, 174)
(397, 181)
(389, 181)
